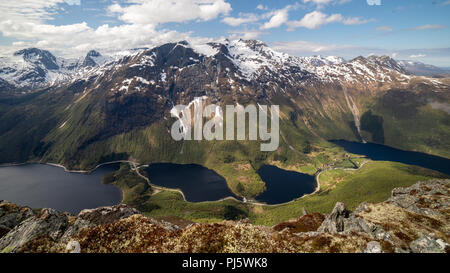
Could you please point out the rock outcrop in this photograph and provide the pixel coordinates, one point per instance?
(11, 215)
(414, 219)
(47, 223)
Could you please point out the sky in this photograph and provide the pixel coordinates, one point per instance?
(415, 30)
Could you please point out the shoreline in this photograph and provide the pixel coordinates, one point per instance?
(316, 177)
(62, 166)
(135, 168)
(5, 165)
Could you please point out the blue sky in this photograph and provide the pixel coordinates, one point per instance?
(404, 29)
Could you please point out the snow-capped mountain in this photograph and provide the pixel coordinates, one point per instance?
(94, 58)
(321, 61)
(249, 61)
(34, 68)
(31, 68)
(422, 69)
(243, 62)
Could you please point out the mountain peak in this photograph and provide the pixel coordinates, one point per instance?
(388, 62)
(253, 43)
(359, 59)
(93, 53)
(384, 61)
(31, 51)
(39, 57)
(421, 69)
(93, 58)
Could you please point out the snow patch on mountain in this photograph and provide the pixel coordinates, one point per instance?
(253, 60)
(204, 49)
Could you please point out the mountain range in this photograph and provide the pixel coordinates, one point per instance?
(82, 112)
(34, 68)
(422, 69)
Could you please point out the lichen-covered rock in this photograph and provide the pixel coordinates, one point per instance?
(48, 223)
(411, 213)
(429, 198)
(335, 221)
(344, 221)
(11, 215)
(107, 215)
(99, 216)
(427, 244)
(73, 247)
(373, 247)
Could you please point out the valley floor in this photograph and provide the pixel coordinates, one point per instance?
(373, 181)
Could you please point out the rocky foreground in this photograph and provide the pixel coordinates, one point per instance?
(414, 219)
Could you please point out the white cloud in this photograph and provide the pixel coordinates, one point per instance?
(246, 34)
(418, 56)
(262, 7)
(243, 19)
(321, 3)
(425, 27)
(318, 2)
(75, 40)
(73, 2)
(355, 21)
(299, 46)
(374, 2)
(278, 17)
(163, 11)
(32, 10)
(385, 28)
(446, 3)
(27, 20)
(316, 19)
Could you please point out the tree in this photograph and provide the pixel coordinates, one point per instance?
(307, 148)
(240, 189)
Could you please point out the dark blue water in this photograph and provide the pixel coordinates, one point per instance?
(44, 186)
(384, 153)
(284, 186)
(197, 183)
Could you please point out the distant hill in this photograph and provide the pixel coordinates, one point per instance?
(421, 69)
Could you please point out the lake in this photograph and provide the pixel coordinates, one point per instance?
(201, 184)
(284, 186)
(385, 153)
(197, 183)
(39, 186)
(45, 186)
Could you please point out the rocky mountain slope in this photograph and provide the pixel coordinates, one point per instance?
(414, 219)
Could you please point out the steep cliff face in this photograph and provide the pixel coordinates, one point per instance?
(414, 219)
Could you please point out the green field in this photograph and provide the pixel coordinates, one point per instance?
(372, 183)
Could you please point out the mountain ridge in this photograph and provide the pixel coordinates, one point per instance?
(248, 55)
